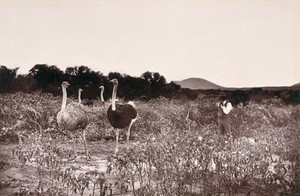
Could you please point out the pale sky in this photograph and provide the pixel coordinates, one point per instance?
(233, 43)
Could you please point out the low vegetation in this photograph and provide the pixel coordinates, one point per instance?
(175, 148)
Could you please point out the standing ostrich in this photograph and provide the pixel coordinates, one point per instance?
(85, 101)
(224, 108)
(79, 95)
(72, 117)
(101, 94)
(120, 115)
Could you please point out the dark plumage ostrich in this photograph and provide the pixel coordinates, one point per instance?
(72, 117)
(120, 116)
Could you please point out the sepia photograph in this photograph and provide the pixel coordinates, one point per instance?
(149, 98)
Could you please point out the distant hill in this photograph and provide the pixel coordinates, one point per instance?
(202, 84)
(296, 86)
(198, 83)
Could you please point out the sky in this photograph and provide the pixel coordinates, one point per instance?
(233, 43)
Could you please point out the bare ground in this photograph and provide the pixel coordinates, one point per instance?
(14, 176)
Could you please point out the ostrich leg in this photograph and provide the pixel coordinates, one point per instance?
(117, 139)
(128, 132)
(74, 149)
(85, 146)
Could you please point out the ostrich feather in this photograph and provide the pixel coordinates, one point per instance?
(72, 118)
(122, 116)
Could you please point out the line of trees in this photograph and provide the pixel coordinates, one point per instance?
(47, 79)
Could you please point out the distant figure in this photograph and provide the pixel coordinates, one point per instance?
(224, 108)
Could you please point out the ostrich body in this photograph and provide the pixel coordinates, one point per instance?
(120, 116)
(71, 118)
(224, 108)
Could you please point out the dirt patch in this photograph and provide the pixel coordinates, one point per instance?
(14, 176)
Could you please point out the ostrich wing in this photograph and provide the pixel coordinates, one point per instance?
(72, 118)
(122, 116)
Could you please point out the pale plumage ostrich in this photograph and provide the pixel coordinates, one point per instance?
(72, 117)
(102, 97)
(85, 101)
(101, 93)
(79, 95)
(120, 116)
(224, 108)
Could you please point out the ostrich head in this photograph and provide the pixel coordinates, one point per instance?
(114, 81)
(65, 84)
(101, 87)
(80, 90)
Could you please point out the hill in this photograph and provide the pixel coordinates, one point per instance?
(296, 86)
(202, 84)
(198, 83)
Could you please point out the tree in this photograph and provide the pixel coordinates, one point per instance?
(25, 83)
(7, 77)
(85, 78)
(134, 87)
(157, 83)
(48, 78)
(117, 75)
(147, 76)
(170, 88)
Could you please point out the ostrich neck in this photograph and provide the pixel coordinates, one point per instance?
(79, 96)
(64, 102)
(113, 99)
(102, 99)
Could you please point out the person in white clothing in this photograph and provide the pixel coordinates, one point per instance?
(224, 109)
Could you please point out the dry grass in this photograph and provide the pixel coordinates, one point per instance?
(174, 142)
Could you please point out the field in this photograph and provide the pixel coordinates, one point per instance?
(175, 149)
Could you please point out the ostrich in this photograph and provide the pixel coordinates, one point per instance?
(85, 101)
(101, 94)
(102, 97)
(79, 95)
(120, 115)
(72, 117)
(224, 108)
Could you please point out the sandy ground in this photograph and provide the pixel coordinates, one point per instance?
(14, 176)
